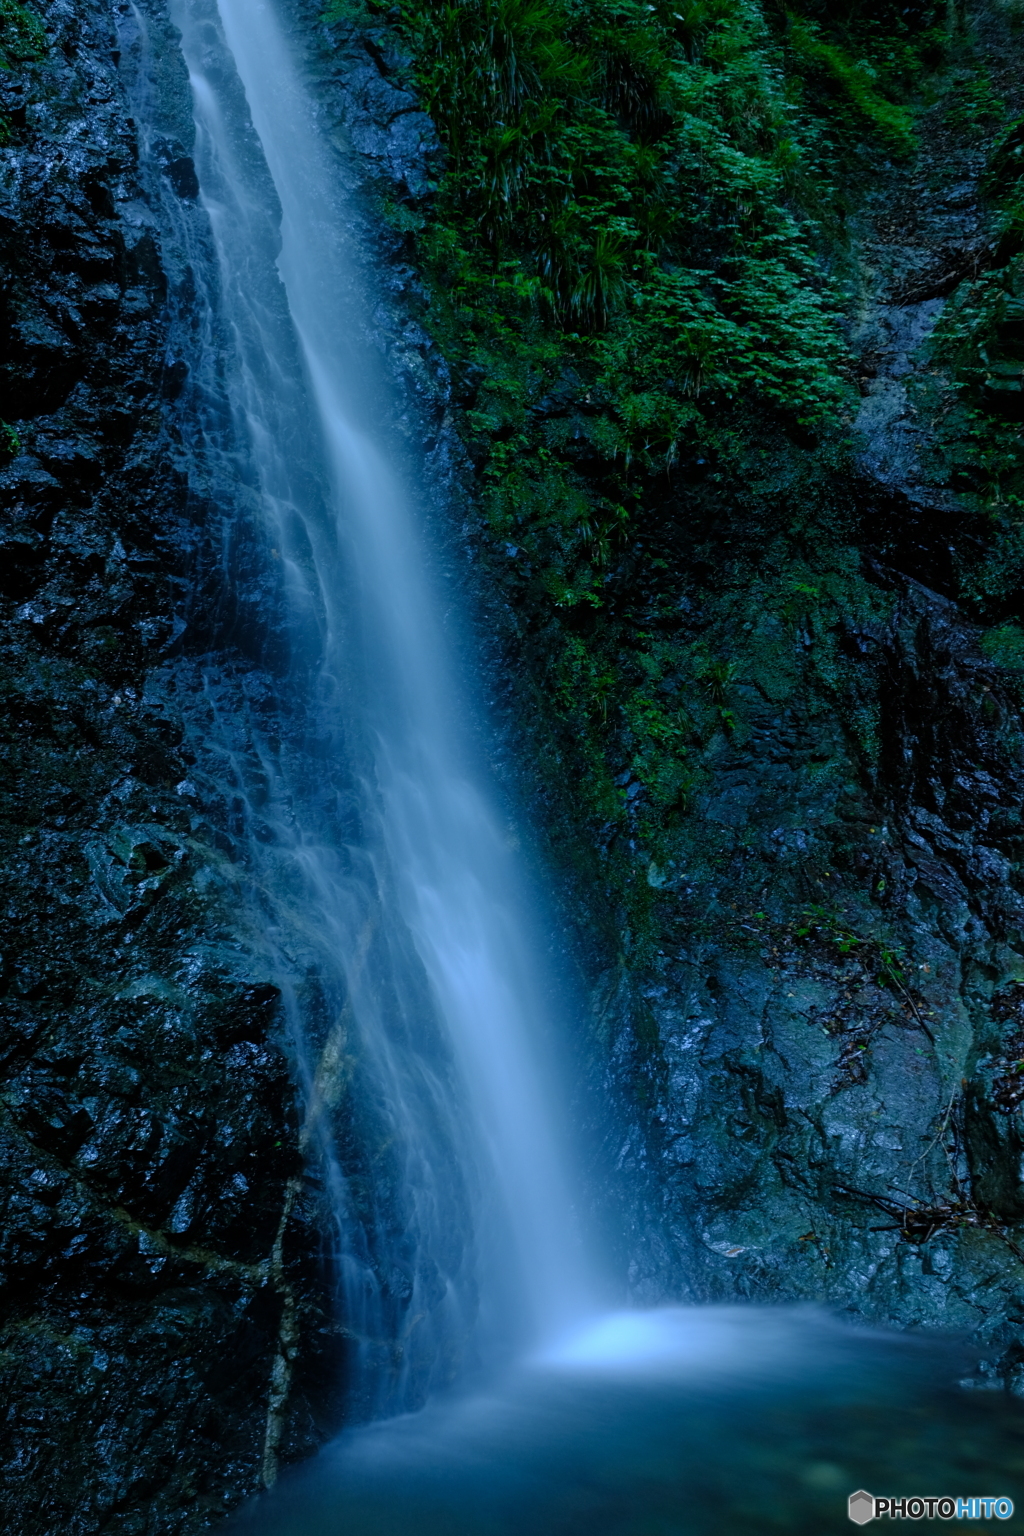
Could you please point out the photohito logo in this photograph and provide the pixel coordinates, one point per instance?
(863, 1506)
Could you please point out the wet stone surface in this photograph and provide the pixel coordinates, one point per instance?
(157, 1240)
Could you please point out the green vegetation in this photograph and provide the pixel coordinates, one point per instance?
(882, 958)
(21, 35)
(979, 342)
(22, 40)
(635, 260)
(829, 65)
(1005, 646)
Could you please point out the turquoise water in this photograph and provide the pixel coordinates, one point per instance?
(725, 1421)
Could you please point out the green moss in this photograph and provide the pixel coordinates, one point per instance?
(22, 41)
(1005, 646)
(21, 35)
(978, 404)
(629, 262)
(857, 81)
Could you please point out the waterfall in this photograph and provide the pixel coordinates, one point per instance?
(377, 856)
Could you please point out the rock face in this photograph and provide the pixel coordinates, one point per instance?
(158, 1242)
(170, 1318)
(837, 1093)
(838, 1125)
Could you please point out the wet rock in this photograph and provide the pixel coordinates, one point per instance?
(155, 1240)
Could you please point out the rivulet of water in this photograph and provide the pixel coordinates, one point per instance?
(377, 860)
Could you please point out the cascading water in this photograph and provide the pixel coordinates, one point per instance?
(391, 911)
(411, 911)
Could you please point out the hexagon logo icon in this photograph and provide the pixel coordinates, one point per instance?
(861, 1507)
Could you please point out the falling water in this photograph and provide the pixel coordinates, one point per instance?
(389, 907)
(413, 905)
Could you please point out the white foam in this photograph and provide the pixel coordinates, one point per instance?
(675, 1341)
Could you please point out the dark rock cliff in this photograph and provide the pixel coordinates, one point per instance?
(835, 1069)
(168, 1303)
(157, 1242)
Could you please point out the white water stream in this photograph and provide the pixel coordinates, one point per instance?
(435, 862)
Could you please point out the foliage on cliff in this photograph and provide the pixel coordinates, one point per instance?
(21, 34)
(980, 342)
(637, 264)
(22, 40)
